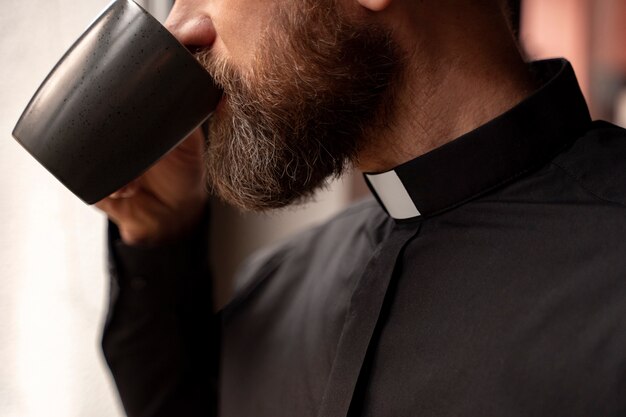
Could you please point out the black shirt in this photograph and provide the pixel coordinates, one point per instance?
(488, 279)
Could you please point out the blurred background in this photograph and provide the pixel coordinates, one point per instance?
(52, 260)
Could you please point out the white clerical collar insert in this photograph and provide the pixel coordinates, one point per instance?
(393, 195)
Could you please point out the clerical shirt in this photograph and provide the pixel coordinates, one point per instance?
(486, 278)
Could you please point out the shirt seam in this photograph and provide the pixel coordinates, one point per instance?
(580, 184)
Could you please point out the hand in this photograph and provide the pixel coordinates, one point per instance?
(167, 201)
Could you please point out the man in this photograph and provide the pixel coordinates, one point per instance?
(487, 279)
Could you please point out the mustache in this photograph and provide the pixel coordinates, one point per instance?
(299, 110)
(224, 74)
(204, 56)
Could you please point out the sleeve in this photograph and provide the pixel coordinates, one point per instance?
(161, 338)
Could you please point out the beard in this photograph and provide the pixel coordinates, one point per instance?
(318, 88)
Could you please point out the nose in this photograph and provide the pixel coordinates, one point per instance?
(191, 26)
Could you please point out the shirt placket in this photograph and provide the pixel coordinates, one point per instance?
(362, 319)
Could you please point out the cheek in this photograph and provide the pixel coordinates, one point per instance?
(239, 25)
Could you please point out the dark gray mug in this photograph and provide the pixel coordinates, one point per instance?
(124, 94)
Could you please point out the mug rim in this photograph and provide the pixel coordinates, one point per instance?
(89, 28)
(169, 34)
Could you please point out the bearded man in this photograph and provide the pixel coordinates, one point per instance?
(486, 278)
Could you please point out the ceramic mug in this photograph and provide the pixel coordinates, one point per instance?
(120, 98)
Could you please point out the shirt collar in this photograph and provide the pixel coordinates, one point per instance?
(523, 138)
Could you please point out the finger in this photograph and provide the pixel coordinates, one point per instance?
(140, 204)
(112, 208)
(127, 191)
(138, 217)
(193, 144)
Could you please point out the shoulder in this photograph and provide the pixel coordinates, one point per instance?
(597, 162)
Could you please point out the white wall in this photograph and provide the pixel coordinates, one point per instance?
(52, 282)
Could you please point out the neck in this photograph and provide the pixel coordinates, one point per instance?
(451, 85)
